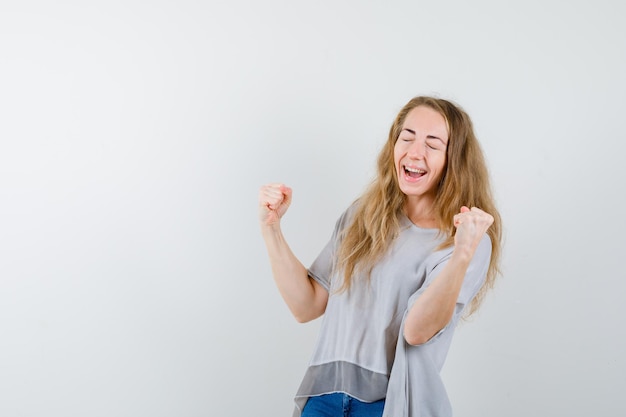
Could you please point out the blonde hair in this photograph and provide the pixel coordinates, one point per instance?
(465, 181)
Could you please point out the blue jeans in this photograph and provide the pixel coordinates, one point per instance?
(339, 404)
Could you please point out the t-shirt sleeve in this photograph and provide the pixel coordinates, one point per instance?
(472, 282)
(322, 268)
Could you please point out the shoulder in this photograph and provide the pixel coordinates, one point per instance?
(348, 216)
(484, 248)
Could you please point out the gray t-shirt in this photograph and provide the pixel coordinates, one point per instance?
(358, 350)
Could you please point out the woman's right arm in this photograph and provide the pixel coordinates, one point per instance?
(305, 297)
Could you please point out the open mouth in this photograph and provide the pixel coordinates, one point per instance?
(413, 172)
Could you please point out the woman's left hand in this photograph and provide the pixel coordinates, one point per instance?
(471, 225)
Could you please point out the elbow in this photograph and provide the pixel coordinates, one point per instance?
(306, 316)
(416, 338)
(420, 334)
(420, 331)
(302, 318)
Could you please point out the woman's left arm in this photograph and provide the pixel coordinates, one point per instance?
(434, 308)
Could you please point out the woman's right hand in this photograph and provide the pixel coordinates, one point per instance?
(274, 200)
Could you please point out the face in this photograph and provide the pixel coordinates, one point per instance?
(420, 153)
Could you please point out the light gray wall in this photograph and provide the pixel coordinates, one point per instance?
(134, 137)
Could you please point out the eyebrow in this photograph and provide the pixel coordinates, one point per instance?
(427, 136)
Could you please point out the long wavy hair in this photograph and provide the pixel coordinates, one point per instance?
(465, 181)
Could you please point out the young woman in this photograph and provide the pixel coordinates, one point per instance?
(406, 260)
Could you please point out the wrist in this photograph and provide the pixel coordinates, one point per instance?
(462, 254)
(270, 229)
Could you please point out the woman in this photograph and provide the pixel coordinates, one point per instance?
(416, 251)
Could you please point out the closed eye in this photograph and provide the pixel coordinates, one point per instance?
(434, 142)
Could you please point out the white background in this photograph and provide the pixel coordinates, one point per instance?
(134, 137)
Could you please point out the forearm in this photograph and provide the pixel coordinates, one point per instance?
(434, 308)
(304, 299)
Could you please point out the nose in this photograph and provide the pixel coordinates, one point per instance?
(417, 149)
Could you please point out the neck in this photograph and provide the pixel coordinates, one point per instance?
(421, 212)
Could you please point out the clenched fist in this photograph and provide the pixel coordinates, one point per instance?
(274, 200)
(471, 225)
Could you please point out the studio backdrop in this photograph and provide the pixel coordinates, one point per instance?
(134, 137)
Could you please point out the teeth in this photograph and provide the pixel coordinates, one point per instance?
(417, 171)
